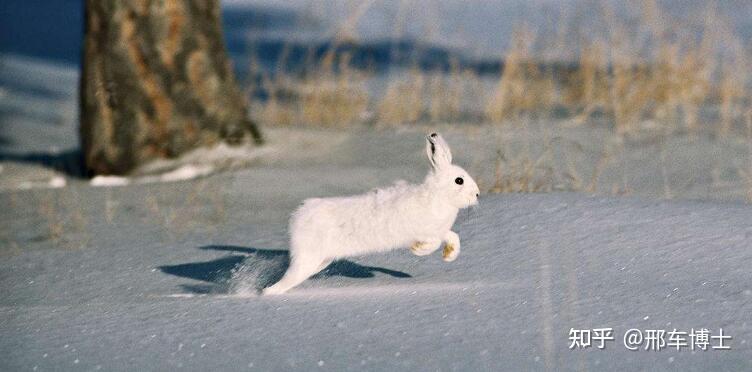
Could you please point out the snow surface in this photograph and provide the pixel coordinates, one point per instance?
(136, 294)
(156, 276)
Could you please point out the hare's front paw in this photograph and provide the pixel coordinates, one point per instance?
(452, 247)
(424, 248)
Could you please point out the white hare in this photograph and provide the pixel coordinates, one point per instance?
(404, 215)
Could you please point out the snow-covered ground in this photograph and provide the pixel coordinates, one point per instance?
(155, 276)
(148, 280)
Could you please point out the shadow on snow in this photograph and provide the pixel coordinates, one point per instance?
(257, 268)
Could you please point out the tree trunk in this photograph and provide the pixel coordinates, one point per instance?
(156, 82)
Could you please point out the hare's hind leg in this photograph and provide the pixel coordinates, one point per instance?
(300, 269)
(324, 265)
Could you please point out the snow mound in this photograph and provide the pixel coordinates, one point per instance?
(109, 181)
(202, 161)
(185, 172)
(55, 182)
(197, 163)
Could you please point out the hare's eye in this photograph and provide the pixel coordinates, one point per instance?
(459, 180)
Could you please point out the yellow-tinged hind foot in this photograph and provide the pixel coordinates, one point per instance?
(450, 253)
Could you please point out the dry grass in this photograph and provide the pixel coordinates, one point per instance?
(747, 173)
(331, 94)
(522, 174)
(642, 74)
(49, 210)
(63, 220)
(200, 205)
(523, 87)
(654, 69)
(587, 90)
(403, 100)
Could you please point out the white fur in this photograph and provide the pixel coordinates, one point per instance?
(403, 215)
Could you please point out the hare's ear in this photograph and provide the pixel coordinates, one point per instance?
(438, 151)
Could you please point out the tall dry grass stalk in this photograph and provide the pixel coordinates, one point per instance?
(732, 92)
(334, 95)
(541, 163)
(63, 218)
(403, 101)
(523, 86)
(446, 92)
(330, 94)
(428, 96)
(587, 88)
(747, 173)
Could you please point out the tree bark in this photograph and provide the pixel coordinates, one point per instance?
(156, 82)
